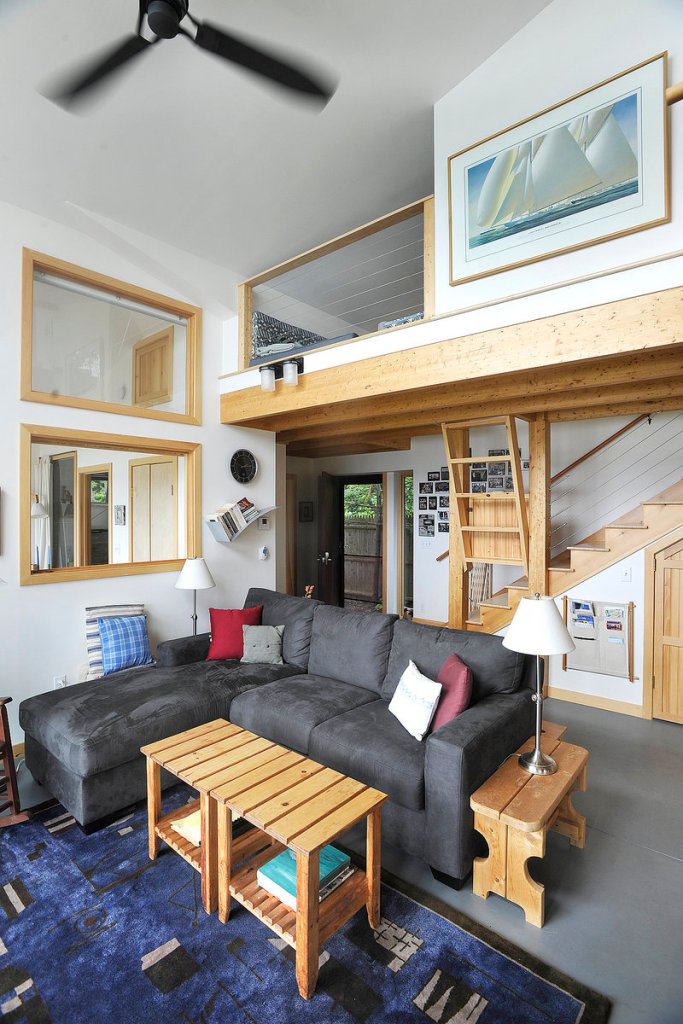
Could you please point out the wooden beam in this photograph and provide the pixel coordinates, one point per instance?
(458, 567)
(539, 503)
(323, 448)
(639, 324)
(532, 391)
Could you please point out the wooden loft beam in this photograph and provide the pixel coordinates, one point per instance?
(318, 448)
(535, 398)
(639, 324)
(634, 408)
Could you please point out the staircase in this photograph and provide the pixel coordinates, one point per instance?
(628, 533)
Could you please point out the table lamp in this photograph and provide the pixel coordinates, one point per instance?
(537, 628)
(195, 576)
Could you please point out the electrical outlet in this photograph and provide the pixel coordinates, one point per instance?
(58, 682)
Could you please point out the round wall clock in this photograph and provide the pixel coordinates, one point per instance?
(243, 466)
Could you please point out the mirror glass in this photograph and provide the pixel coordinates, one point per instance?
(94, 342)
(103, 506)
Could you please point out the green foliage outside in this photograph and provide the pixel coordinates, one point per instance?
(363, 501)
(98, 492)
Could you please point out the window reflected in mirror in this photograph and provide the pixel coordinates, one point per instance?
(93, 342)
(95, 504)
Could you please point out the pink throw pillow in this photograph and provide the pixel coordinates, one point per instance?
(456, 682)
(227, 640)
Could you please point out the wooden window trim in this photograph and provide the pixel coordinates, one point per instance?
(33, 434)
(33, 261)
(245, 289)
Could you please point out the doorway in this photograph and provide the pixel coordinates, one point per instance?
(153, 508)
(405, 545)
(94, 512)
(664, 581)
(351, 559)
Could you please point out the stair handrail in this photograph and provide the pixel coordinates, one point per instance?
(598, 447)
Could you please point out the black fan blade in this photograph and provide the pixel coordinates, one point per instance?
(74, 87)
(215, 40)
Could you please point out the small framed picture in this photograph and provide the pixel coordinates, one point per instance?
(432, 502)
(495, 483)
(525, 463)
(443, 527)
(443, 516)
(497, 469)
(426, 526)
(478, 475)
(441, 487)
(422, 504)
(508, 483)
(434, 475)
(444, 472)
(426, 488)
(305, 511)
(119, 515)
(478, 487)
(444, 501)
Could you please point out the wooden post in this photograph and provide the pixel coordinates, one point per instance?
(539, 503)
(209, 853)
(307, 934)
(153, 806)
(372, 864)
(224, 860)
(458, 568)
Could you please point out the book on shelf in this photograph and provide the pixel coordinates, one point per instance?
(278, 876)
(235, 517)
(190, 827)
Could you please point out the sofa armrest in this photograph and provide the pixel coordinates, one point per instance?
(183, 651)
(459, 757)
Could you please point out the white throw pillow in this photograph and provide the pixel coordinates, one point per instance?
(415, 700)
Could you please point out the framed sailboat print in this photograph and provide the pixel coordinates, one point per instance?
(592, 168)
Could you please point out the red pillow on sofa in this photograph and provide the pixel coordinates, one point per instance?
(456, 690)
(227, 640)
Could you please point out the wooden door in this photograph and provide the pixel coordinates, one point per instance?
(154, 508)
(668, 634)
(330, 546)
(292, 523)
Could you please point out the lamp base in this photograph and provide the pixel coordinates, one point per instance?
(537, 763)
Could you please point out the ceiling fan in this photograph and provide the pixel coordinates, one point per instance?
(164, 20)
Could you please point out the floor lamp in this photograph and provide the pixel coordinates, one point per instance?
(537, 628)
(195, 576)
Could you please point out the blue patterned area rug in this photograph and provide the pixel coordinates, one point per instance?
(91, 930)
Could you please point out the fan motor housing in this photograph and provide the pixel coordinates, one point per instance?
(164, 17)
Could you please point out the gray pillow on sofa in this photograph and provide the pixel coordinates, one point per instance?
(262, 645)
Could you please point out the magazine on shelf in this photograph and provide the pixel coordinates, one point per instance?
(278, 876)
(190, 827)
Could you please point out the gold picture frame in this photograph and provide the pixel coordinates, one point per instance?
(591, 168)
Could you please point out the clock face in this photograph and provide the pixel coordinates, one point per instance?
(243, 466)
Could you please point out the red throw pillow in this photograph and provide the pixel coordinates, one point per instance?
(456, 682)
(227, 640)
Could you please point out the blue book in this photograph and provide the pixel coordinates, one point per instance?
(278, 876)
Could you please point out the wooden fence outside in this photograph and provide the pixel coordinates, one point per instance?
(362, 563)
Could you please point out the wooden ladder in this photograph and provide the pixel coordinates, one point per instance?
(490, 526)
(9, 791)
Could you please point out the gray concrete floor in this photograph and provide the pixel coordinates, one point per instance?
(614, 910)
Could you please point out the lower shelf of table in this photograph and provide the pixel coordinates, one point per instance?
(334, 911)
(244, 846)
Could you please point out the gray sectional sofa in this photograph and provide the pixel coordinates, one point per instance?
(329, 700)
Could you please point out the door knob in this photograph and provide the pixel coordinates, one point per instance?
(325, 559)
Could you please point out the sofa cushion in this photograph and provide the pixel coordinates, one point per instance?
(124, 642)
(494, 668)
(456, 681)
(370, 745)
(227, 639)
(287, 711)
(98, 725)
(351, 646)
(295, 614)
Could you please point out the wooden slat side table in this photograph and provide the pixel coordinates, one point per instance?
(298, 804)
(514, 811)
(202, 757)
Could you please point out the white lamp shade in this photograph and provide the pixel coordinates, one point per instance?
(290, 373)
(38, 510)
(195, 575)
(537, 628)
(267, 378)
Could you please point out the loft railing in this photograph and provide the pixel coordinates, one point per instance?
(636, 462)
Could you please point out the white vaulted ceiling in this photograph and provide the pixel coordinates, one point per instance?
(192, 151)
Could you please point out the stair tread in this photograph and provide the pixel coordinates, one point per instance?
(497, 601)
(670, 496)
(626, 526)
(587, 547)
(521, 584)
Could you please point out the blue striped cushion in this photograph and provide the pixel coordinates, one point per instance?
(124, 642)
(92, 633)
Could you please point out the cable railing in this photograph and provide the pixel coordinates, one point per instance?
(638, 461)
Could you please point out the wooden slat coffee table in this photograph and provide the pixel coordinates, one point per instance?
(514, 811)
(294, 803)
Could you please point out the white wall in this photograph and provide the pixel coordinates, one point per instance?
(41, 626)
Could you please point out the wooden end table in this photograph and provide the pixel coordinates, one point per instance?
(514, 811)
(294, 803)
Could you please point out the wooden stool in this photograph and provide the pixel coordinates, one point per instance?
(514, 811)
(8, 775)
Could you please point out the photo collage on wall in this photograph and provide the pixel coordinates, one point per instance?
(432, 503)
(493, 476)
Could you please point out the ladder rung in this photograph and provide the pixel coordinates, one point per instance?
(497, 561)
(481, 458)
(488, 495)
